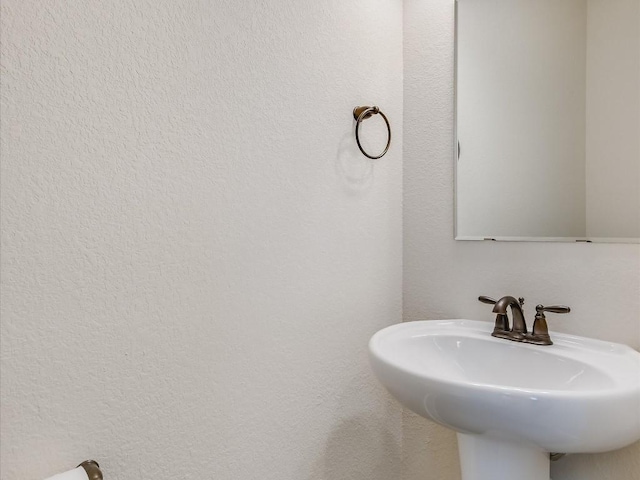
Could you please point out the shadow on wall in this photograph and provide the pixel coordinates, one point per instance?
(359, 448)
(576, 467)
(352, 167)
(366, 441)
(365, 448)
(379, 440)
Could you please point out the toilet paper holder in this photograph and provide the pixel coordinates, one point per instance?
(93, 469)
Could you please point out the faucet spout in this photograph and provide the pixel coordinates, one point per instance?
(519, 325)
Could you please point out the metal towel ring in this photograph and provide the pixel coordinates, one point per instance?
(362, 113)
(92, 468)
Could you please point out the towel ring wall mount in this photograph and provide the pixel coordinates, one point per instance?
(362, 113)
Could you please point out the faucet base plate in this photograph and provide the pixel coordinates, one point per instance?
(535, 339)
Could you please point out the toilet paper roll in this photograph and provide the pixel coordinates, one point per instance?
(75, 474)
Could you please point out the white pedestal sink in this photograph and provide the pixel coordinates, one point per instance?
(512, 403)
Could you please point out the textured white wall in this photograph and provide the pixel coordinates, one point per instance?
(443, 278)
(521, 118)
(190, 273)
(194, 253)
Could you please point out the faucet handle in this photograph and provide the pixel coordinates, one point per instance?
(552, 309)
(488, 300)
(491, 301)
(540, 334)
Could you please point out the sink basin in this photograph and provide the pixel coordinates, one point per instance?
(512, 403)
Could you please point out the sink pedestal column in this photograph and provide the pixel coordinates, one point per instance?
(484, 458)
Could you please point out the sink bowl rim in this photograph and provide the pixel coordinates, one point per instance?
(482, 330)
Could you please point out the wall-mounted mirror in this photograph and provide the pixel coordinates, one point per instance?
(548, 120)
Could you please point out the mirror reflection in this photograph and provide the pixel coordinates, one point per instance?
(548, 120)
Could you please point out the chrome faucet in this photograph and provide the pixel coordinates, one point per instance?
(519, 333)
